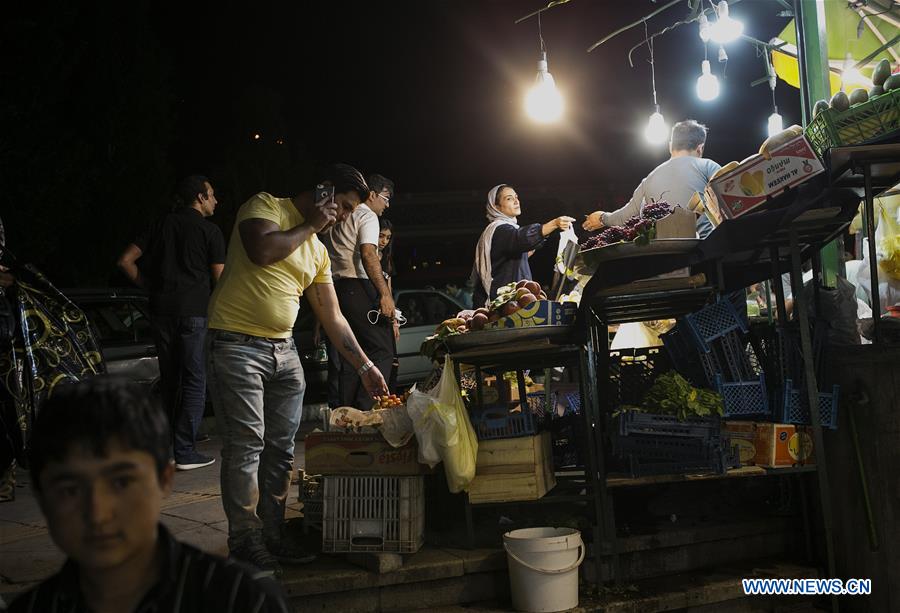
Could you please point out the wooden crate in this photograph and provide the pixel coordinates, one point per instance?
(513, 469)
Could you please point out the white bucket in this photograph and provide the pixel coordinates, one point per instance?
(543, 568)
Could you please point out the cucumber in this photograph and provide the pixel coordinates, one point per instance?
(881, 73)
(892, 82)
(840, 102)
(821, 105)
(858, 96)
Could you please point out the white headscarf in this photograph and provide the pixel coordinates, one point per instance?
(483, 249)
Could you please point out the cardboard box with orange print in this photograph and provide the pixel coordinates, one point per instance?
(771, 445)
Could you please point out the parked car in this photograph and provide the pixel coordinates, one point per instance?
(424, 309)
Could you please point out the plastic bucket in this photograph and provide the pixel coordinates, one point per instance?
(543, 568)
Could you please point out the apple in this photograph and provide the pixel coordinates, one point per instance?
(527, 299)
(521, 283)
(483, 311)
(479, 321)
(534, 287)
(522, 291)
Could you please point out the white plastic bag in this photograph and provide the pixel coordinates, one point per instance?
(443, 430)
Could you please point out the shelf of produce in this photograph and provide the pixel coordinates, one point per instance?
(735, 473)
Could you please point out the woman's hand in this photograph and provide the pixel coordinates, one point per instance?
(594, 221)
(563, 222)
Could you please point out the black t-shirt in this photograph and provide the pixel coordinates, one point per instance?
(178, 251)
(191, 580)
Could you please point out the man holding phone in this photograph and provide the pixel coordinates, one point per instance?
(362, 290)
(256, 379)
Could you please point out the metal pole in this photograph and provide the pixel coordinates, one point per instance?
(875, 294)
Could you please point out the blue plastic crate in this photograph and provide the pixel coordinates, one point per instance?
(683, 353)
(795, 409)
(637, 422)
(744, 398)
(719, 461)
(714, 321)
(537, 404)
(499, 422)
(665, 447)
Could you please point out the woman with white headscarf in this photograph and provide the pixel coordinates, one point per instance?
(502, 253)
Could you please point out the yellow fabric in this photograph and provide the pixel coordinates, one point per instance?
(264, 300)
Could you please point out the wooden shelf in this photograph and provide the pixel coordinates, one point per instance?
(744, 471)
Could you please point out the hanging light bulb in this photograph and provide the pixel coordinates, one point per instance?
(707, 84)
(776, 124)
(657, 130)
(726, 29)
(704, 28)
(544, 103)
(851, 77)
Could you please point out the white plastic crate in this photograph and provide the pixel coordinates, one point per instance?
(377, 514)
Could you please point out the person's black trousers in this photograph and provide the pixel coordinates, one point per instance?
(357, 297)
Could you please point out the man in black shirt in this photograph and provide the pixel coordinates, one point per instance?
(176, 260)
(101, 465)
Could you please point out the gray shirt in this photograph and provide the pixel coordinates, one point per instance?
(675, 181)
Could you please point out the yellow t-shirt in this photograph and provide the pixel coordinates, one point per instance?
(263, 300)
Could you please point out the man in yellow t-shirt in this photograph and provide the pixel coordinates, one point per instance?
(255, 376)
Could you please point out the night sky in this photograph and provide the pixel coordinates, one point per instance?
(111, 103)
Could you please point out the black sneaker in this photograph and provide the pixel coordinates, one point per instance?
(287, 551)
(256, 555)
(192, 461)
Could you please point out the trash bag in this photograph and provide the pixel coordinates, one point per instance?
(838, 307)
(443, 430)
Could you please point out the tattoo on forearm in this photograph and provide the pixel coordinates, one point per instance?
(349, 343)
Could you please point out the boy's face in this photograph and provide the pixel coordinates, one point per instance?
(104, 511)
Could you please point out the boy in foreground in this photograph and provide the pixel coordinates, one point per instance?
(101, 465)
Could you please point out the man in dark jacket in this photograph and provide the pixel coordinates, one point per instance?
(177, 260)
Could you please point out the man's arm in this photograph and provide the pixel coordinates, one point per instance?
(215, 270)
(127, 263)
(266, 243)
(372, 264)
(598, 219)
(324, 304)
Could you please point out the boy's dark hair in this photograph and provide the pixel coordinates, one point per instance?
(378, 184)
(687, 135)
(93, 413)
(189, 189)
(346, 178)
(387, 254)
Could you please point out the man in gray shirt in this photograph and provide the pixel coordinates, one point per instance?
(675, 180)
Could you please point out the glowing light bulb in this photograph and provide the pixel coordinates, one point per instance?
(707, 84)
(726, 29)
(776, 124)
(657, 131)
(851, 77)
(704, 28)
(544, 103)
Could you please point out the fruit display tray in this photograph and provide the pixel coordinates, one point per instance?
(497, 336)
(623, 251)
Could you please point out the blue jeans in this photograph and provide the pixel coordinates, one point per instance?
(182, 376)
(257, 387)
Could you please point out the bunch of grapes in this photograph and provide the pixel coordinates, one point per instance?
(592, 241)
(657, 210)
(613, 234)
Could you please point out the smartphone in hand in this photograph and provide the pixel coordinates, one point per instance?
(323, 192)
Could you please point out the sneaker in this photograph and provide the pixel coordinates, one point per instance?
(256, 555)
(201, 438)
(289, 552)
(192, 461)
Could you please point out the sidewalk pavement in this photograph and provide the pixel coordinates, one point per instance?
(193, 512)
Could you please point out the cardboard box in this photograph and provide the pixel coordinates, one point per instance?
(513, 469)
(782, 445)
(344, 453)
(539, 313)
(756, 179)
(743, 436)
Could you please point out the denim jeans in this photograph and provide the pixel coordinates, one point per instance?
(257, 388)
(182, 374)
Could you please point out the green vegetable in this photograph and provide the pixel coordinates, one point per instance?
(671, 394)
(821, 105)
(840, 102)
(881, 73)
(858, 96)
(876, 91)
(893, 82)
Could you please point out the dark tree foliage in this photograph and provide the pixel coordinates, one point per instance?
(86, 121)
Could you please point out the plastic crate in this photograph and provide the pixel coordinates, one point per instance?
(499, 422)
(665, 447)
(537, 404)
(683, 353)
(632, 372)
(745, 398)
(795, 408)
(869, 121)
(718, 462)
(636, 422)
(714, 321)
(374, 514)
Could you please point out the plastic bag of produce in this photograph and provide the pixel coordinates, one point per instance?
(443, 430)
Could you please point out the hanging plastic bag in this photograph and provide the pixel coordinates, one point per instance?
(443, 430)
(887, 235)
